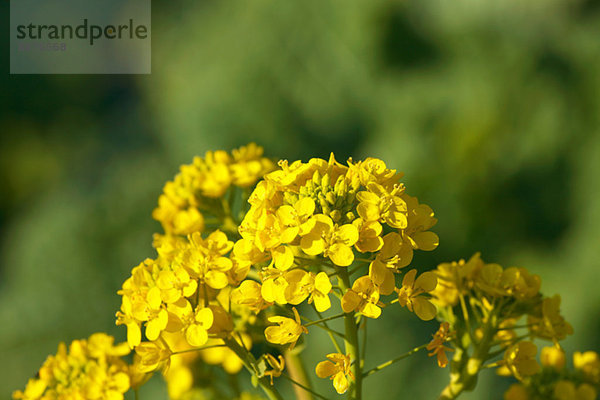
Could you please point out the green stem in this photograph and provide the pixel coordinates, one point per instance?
(325, 319)
(466, 369)
(250, 364)
(351, 341)
(325, 328)
(363, 350)
(390, 362)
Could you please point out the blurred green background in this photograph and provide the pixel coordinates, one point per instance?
(491, 108)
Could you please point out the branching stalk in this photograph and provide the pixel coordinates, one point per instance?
(351, 341)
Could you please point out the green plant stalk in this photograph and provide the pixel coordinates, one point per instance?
(395, 360)
(250, 364)
(465, 369)
(351, 341)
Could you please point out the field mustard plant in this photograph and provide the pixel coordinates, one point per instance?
(254, 256)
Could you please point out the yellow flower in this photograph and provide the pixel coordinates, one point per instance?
(337, 368)
(151, 355)
(295, 219)
(389, 259)
(320, 292)
(589, 364)
(410, 294)
(372, 170)
(249, 165)
(302, 284)
(204, 259)
(157, 316)
(277, 366)
(553, 356)
(270, 236)
(379, 204)
(520, 359)
(369, 236)
(512, 281)
(547, 323)
(330, 240)
(249, 294)
(205, 179)
(175, 284)
(454, 278)
(363, 297)
(437, 347)
(420, 220)
(194, 323)
(274, 286)
(287, 330)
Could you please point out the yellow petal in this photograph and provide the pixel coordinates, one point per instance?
(283, 257)
(341, 255)
(426, 240)
(350, 301)
(216, 279)
(367, 197)
(134, 334)
(287, 215)
(348, 234)
(205, 317)
(322, 302)
(325, 369)
(312, 244)
(409, 278)
(195, 335)
(322, 283)
(340, 383)
(368, 211)
(153, 298)
(305, 206)
(382, 276)
(424, 309)
(397, 219)
(427, 281)
(371, 310)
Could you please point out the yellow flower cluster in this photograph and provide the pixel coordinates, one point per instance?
(198, 186)
(552, 380)
(491, 284)
(307, 220)
(89, 369)
(238, 259)
(177, 292)
(462, 278)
